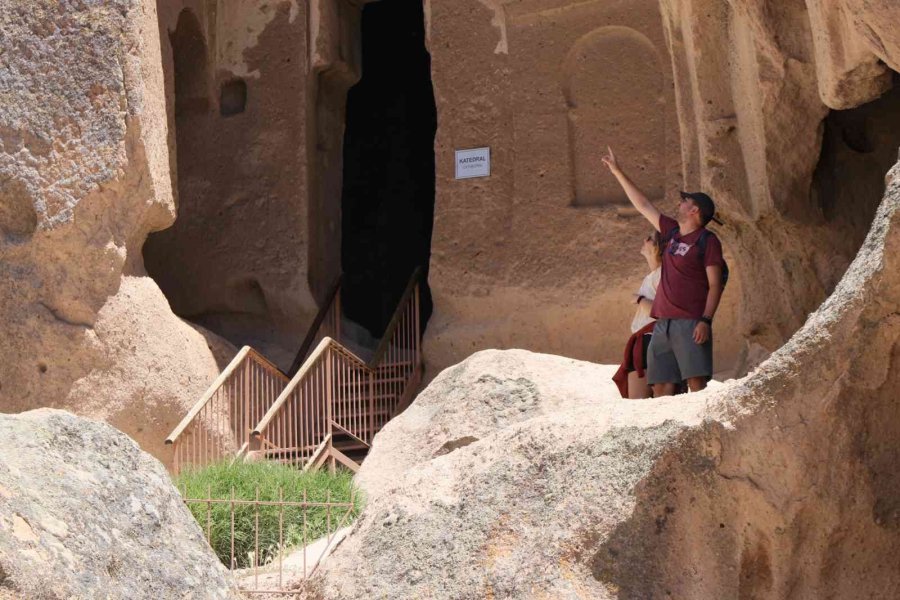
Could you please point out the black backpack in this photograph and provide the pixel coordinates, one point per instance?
(701, 243)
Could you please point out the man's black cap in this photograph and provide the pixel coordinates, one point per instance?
(705, 204)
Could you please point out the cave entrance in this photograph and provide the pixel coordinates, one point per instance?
(859, 145)
(388, 187)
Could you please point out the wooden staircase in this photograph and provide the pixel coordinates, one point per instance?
(325, 410)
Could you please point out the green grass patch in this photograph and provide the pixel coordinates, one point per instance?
(217, 482)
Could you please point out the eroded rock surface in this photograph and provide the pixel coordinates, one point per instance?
(487, 393)
(84, 513)
(84, 176)
(497, 478)
(778, 485)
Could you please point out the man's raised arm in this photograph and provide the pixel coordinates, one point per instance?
(636, 196)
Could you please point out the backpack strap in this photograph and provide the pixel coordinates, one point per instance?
(701, 242)
(672, 233)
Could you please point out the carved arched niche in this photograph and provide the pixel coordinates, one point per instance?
(613, 87)
(191, 71)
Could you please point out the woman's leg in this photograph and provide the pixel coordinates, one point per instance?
(637, 386)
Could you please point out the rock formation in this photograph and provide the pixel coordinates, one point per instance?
(235, 83)
(524, 476)
(84, 513)
(797, 184)
(780, 110)
(543, 253)
(84, 176)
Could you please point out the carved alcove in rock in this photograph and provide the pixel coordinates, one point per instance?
(613, 85)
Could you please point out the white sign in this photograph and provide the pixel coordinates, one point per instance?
(473, 163)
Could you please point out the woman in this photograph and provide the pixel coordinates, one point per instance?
(631, 377)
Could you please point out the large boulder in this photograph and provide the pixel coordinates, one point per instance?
(84, 177)
(494, 480)
(779, 485)
(84, 513)
(488, 394)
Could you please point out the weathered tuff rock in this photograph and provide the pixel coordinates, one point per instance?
(492, 482)
(84, 176)
(779, 485)
(543, 254)
(485, 395)
(238, 255)
(84, 513)
(759, 92)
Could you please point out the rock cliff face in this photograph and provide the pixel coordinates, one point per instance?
(84, 513)
(543, 254)
(84, 176)
(517, 475)
(782, 111)
(235, 83)
(765, 96)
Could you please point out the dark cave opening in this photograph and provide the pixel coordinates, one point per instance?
(859, 146)
(389, 176)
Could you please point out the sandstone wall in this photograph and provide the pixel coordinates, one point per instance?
(84, 176)
(755, 82)
(236, 258)
(519, 475)
(543, 254)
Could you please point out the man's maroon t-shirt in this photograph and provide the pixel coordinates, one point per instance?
(683, 284)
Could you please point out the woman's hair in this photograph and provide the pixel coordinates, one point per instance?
(660, 244)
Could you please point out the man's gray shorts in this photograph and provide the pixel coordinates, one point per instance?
(674, 356)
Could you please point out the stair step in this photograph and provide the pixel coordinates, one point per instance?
(350, 446)
(364, 400)
(378, 382)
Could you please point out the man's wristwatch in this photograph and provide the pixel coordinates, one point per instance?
(707, 320)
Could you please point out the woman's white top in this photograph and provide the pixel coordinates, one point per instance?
(648, 290)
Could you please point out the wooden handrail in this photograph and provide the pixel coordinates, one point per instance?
(238, 359)
(337, 425)
(314, 328)
(268, 365)
(295, 380)
(215, 385)
(318, 453)
(395, 319)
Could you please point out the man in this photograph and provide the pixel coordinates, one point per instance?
(689, 289)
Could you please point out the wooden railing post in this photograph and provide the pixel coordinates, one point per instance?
(417, 333)
(329, 403)
(371, 435)
(246, 402)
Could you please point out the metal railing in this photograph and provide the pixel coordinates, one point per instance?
(326, 324)
(276, 568)
(220, 423)
(253, 408)
(337, 394)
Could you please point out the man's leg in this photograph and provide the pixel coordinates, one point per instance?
(663, 389)
(695, 384)
(694, 360)
(662, 367)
